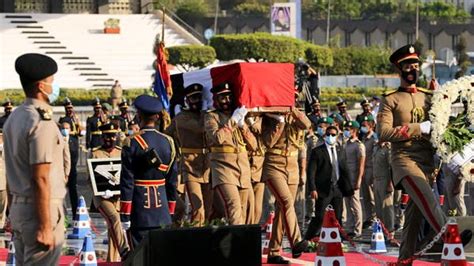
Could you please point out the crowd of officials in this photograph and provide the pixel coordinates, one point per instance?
(225, 163)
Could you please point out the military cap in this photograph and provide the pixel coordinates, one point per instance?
(315, 101)
(352, 124)
(67, 102)
(132, 122)
(148, 104)
(405, 54)
(107, 107)
(369, 118)
(365, 102)
(221, 88)
(96, 102)
(192, 89)
(108, 128)
(123, 103)
(327, 120)
(33, 67)
(341, 103)
(7, 104)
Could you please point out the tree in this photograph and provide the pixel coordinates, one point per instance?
(462, 57)
(191, 56)
(191, 10)
(443, 12)
(253, 8)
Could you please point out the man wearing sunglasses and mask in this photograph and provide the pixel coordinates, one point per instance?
(187, 129)
(227, 136)
(403, 121)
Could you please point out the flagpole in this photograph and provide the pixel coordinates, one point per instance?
(163, 25)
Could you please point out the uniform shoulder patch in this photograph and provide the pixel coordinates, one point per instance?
(45, 114)
(430, 92)
(389, 92)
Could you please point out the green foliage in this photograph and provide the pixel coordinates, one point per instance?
(191, 56)
(191, 10)
(360, 61)
(330, 96)
(319, 56)
(252, 9)
(443, 12)
(79, 97)
(457, 135)
(374, 10)
(462, 57)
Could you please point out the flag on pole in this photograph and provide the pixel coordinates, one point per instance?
(162, 84)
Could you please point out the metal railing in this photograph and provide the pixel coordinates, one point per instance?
(153, 7)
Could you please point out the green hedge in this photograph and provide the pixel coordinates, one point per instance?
(191, 55)
(330, 96)
(319, 56)
(79, 97)
(360, 61)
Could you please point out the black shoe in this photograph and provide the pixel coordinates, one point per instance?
(299, 248)
(277, 260)
(466, 237)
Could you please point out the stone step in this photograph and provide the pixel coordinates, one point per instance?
(58, 52)
(88, 68)
(81, 63)
(93, 74)
(52, 47)
(102, 85)
(40, 37)
(75, 58)
(28, 27)
(46, 42)
(23, 21)
(99, 79)
(34, 32)
(17, 16)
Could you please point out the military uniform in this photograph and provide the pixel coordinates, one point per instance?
(283, 139)
(187, 129)
(7, 108)
(93, 138)
(148, 176)
(355, 152)
(399, 122)
(3, 184)
(367, 186)
(125, 116)
(384, 196)
(109, 207)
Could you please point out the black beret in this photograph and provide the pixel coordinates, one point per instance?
(193, 89)
(405, 54)
(148, 104)
(34, 67)
(221, 88)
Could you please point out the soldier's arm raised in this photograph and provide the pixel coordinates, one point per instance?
(271, 130)
(249, 138)
(386, 129)
(216, 134)
(301, 120)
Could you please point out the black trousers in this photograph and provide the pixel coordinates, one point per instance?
(72, 179)
(336, 200)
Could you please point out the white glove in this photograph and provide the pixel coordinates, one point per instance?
(243, 111)
(237, 116)
(126, 225)
(425, 127)
(280, 118)
(177, 109)
(108, 194)
(241, 122)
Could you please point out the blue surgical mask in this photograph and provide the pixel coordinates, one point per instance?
(320, 131)
(330, 140)
(54, 94)
(65, 132)
(130, 132)
(364, 130)
(347, 134)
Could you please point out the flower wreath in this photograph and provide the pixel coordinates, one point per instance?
(453, 138)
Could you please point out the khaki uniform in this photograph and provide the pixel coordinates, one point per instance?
(256, 158)
(412, 160)
(367, 185)
(281, 173)
(454, 202)
(30, 138)
(230, 168)
(301, 192)
(109, 209)
(355, 150)
(3, 185)
(382, 176)
(187, 129)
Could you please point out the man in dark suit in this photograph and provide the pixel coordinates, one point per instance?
(328, 180)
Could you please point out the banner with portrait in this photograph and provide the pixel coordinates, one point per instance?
(104, 175)
(283, 19)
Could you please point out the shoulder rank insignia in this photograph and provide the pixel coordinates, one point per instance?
(45, 114)
(430, 92)
(389, 92)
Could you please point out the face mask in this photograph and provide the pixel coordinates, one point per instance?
(347, 134)
(130, 132)
(54, 94)
(320, 131)
(414, 73)
(65, 132)
(364, 130)
(330, 140)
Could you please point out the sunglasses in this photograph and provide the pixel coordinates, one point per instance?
(329, 134)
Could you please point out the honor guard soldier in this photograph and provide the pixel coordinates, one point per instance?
(369, 139)
(342, 107)
(35, 165)
(74, 133)
(315, 112)
(403, 121)
(148, 176)
(366, 110)
(109, 204)
(93, 138)
(227, 136)
(7, 110)
(283, 136)
(124, 115)
(187, 129)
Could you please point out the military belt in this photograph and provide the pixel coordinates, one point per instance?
(281, 152)
(96, 132)
(26, 200)
(149, 183)
(228, 149)
(194, 150)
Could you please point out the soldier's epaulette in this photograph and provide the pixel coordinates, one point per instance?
(425, 91)
(118, 147)
(45, 114)
(389, 92)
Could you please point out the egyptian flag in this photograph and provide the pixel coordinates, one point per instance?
(253, 84)
(162, 85)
